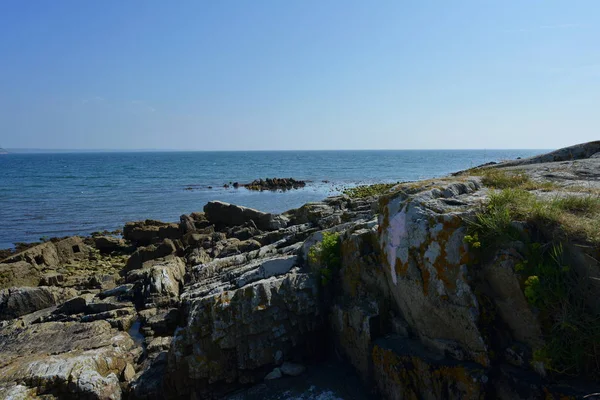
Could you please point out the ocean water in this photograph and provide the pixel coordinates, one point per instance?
(46, 195)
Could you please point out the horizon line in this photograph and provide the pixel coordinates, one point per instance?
(59, 150)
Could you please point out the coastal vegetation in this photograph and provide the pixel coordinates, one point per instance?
(364, 191)
(326, 256)
(545, 223)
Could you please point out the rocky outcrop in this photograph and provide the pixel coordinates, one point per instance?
(274, 184)
(234, 297)
(225, 214)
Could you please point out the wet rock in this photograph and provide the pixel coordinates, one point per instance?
(274, 184)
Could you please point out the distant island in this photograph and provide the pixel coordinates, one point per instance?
(2, 151)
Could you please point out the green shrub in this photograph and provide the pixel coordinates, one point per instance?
(326, 255)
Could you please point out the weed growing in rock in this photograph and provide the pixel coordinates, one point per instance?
(327, 256)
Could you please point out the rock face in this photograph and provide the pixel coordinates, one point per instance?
(233, 297)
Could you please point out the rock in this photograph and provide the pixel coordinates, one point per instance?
(431, 286)
(75, 305)
(158, 284)
(229, 215)
(52, 254)
(230, 334)
(17, 392)
(292, 369)
(244, 232)
(128, 373)
(275, 374)
(16, 302)
(193, 222)
(144, 233)
(273, 184)
(78, 359)
(52, 279)
(91, 383)
(309, 213)
(198, 256)
(110, 244)
(404, 370)
(571, 153)
(152, 252)
(266, 268)
(19, 273)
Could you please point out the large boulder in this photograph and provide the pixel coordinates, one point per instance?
(16, 302)
(144, 233)
(151, 252)
(228, 215)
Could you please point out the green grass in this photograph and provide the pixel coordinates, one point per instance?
(571, 331)
(567, 216)
(363, 191)
(326, 256)
(502, 179)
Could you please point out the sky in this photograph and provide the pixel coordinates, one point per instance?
(299, 74)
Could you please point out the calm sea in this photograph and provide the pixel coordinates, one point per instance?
(45, 195)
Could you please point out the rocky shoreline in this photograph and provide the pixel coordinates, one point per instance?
(388, 282)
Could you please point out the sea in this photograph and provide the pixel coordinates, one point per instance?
(45, 195)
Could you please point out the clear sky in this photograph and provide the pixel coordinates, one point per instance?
(304, 74)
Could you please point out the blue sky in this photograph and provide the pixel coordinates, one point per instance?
(272, 74)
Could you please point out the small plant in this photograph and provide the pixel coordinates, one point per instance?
(326, 256)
